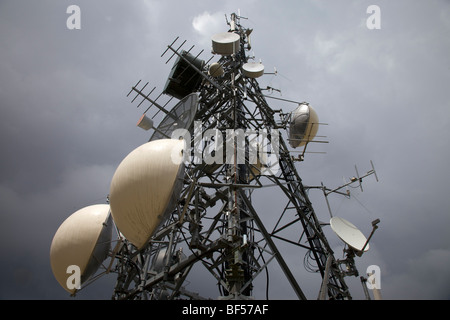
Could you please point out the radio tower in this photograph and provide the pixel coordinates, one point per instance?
(233, 147)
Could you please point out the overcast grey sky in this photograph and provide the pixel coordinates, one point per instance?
(66, 122)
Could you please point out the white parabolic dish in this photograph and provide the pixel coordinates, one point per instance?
(225, 43)
(348, 233)
(253, 69)
(145, 188)
(83, 240)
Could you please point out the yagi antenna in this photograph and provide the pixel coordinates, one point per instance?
(139, 92)
(326, 191)
(359, 179)
(354, 179)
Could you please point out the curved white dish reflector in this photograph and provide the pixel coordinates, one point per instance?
(348, 233)
(303, 126)
(83, 240)
(225, 43)
(253, 69)
(145, 188)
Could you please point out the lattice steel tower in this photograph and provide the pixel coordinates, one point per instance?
(214, 215)
(234, 146)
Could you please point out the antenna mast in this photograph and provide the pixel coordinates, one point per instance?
(207, 215)
(236, 246)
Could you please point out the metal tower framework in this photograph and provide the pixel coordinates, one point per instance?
(215, 222)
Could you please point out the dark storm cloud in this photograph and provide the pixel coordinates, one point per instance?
(66, 123)
(60, 139)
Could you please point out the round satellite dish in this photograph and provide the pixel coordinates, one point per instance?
(145, 188)
(253, 69)
(303, 126)
(348, 233)
(215, 70)
(181, 117)
(225, 43)
(82, 240)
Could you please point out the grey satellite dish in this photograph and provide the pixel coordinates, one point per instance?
(225, 43)
(180, 117)
(350, 234)
(253, 69)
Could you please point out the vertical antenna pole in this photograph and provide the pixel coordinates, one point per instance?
(326, 199)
